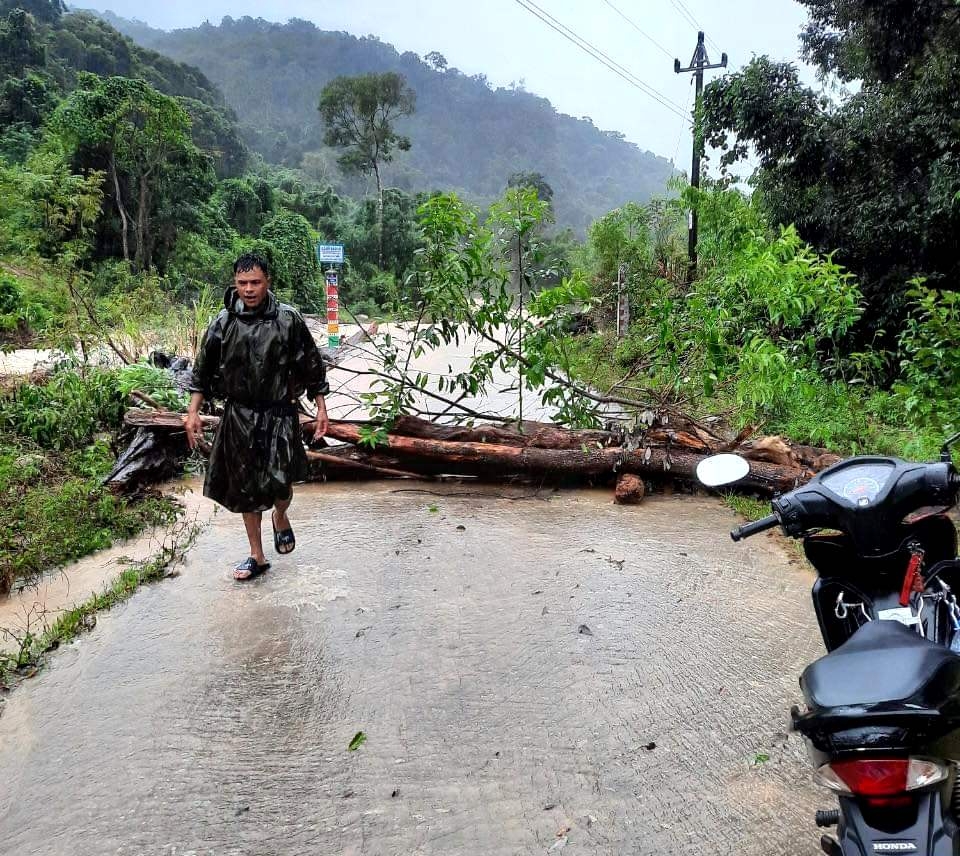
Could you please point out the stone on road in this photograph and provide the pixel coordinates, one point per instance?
(445, 623)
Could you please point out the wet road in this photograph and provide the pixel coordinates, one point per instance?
(534, 674)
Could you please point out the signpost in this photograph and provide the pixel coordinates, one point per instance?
(332, 254)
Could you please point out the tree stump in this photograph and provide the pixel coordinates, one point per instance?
(630, 489)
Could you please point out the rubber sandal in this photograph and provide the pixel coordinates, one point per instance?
(282, 538)
(250, 564)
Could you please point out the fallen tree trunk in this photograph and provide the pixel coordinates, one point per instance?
(415, 447)
(488, 459)
(538, 435)
(347, 463)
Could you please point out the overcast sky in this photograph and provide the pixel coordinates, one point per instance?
(505, 41)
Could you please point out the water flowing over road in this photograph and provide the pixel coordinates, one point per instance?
(534, 672)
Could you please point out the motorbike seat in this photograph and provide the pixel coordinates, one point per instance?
(883, 663)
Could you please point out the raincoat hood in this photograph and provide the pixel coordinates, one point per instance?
(235, 306)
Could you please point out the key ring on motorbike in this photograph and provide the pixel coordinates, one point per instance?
(950, 599)
(842, 609)
(919, 624)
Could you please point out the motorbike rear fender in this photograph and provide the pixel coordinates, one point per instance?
(929, 831)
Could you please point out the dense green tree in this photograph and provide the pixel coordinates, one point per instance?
(46, 208)
(20, 45)
(293, 252)
(877, 176)
(214, 132)
(401, 235)
(436, 60)
(535, 180)
(46, 11)
(141, 139)
(360, 115)
(240, 204)
(25, 100)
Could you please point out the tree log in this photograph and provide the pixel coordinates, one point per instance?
(405, 455)
(537, 435)
(346, 462)
(487, 459)
(541, 435)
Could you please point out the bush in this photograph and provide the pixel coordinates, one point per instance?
(293, 254)
(154, 382)
(66, 411)
(25, 309)
(928, 388)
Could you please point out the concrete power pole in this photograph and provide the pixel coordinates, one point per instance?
(698, 64)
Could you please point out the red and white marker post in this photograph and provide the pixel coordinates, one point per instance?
(333, 308)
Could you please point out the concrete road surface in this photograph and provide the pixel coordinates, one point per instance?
(533, 672)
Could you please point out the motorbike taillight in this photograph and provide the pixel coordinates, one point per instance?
(880, 777)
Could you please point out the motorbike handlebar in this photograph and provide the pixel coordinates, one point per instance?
(760, 525)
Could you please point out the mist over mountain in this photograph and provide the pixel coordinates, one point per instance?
(466, 135)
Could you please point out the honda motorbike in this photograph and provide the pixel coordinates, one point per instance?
(881, 712)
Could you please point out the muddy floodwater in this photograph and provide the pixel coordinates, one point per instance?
(533, 673)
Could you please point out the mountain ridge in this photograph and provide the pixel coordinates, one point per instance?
(466, 135)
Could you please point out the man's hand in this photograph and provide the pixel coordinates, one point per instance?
(323, 421)
(194, 428)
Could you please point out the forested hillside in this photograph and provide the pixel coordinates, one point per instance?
(46, 52)
(465, 135)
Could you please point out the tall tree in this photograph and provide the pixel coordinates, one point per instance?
(20, 45)
(141, 138)
(535, 180)
(359, 114)
(877, 176)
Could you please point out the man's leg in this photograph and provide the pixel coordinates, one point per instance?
(252, 521)
(280, 519)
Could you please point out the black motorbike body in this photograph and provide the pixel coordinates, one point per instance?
(884, 689)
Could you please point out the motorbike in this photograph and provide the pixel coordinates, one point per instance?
(881, 712)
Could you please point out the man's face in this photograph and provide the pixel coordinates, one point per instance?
(252, 286)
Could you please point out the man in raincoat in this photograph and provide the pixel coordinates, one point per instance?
(259, 356)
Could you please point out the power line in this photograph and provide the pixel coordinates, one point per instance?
(681, 7)
(601, 57)
(635, 26)
(598, 54)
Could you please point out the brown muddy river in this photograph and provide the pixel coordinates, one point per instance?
(534, 673)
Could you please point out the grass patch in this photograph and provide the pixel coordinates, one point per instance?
(58, 511)
(35, 643)
(55, 449)
(747, 506)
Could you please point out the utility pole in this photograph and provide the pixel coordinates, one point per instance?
(698, 64)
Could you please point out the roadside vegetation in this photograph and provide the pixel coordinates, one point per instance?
(768, 334)
(57, 443)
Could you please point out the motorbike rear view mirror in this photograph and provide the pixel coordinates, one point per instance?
(722, 469)
(945, 457)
